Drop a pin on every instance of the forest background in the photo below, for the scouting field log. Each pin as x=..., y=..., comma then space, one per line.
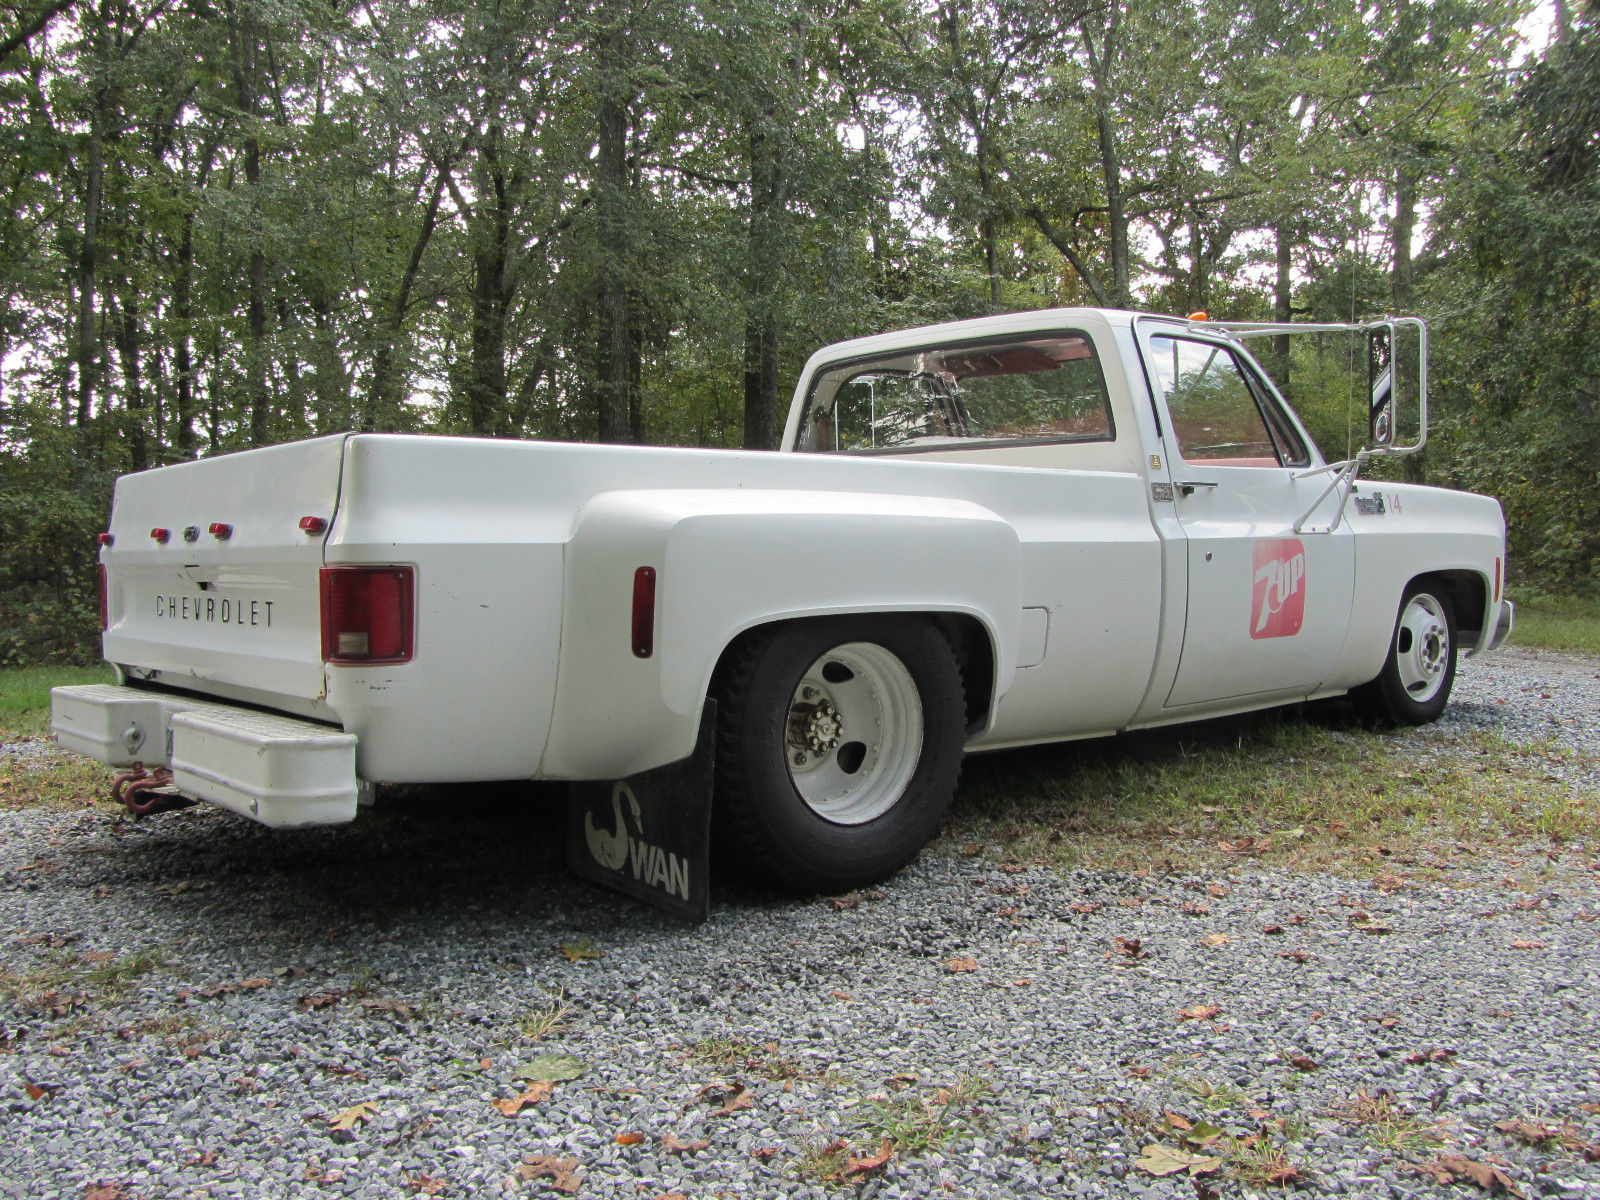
x=237, y=222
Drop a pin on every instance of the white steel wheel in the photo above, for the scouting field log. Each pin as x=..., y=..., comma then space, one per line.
x=839, y=744
x=1422, y=647
x=1414, y=685
x=854, y=734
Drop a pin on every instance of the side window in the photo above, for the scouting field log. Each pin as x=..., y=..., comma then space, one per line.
x=1046, y=388
x=1216, y=415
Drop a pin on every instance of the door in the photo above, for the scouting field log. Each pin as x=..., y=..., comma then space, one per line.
x=1268, y=603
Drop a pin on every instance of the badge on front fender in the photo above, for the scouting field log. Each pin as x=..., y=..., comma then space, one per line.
x=649, y=835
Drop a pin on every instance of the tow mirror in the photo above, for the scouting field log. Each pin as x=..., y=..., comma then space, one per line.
x=1380, y=386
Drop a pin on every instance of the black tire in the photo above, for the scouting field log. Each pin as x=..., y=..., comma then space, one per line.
x=838, y=839
x=1414, y=686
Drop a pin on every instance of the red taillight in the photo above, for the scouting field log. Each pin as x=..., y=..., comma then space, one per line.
x=103, y=539
x=367, y=614
x=313, y=524
x=221, y=530
x=105, y=601
x=161, y=535
x=644, y=612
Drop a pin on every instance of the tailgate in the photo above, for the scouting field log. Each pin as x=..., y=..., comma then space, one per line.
x=233, y=609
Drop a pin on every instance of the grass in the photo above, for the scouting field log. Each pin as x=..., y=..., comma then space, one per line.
x=549, y=1018
x=1388, y=1126
x=916, y=1123
x=56, y=985
x=25, y=694
x=1570, y=623
x=1293, y=787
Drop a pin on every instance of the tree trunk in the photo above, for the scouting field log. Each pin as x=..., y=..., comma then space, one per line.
x=1282, y=303
x=761, y=269
x=89, y=253
x=611, y=206
x=128, y=349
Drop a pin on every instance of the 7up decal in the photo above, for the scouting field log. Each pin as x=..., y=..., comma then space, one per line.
x=1278, y=595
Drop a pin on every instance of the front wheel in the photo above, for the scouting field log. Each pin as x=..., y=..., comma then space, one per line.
x=839, y=746
x=1414, y=685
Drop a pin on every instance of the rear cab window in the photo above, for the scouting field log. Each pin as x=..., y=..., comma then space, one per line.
x=1036, y=389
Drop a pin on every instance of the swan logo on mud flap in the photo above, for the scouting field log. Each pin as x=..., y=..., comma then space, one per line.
x=1278, y=596
x=619, y=850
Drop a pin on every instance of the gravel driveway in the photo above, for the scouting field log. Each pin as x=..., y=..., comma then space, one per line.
x=389, y=972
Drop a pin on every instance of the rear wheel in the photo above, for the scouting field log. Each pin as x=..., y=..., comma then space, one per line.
x=839, y=747
x=1414, y=685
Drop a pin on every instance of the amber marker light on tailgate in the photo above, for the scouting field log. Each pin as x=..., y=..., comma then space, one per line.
x=105, y=601
x=367, y=615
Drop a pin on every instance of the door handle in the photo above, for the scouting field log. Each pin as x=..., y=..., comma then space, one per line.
x=1188, y=486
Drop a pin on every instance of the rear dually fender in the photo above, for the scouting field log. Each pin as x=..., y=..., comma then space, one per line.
x=727, y=561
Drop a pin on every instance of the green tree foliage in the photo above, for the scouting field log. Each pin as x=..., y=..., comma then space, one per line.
x=234, y=222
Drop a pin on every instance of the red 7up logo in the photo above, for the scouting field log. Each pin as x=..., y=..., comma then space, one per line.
x=1278, y=597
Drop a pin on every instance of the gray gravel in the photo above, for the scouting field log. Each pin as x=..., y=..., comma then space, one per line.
x=392, y=961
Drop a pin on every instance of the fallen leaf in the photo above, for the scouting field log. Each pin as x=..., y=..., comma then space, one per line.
x=1214, y=939
x=1522, y=944
x=838, y=995
x=1217, y=891
x=1299, y=956
x=1449, y=1167
x=677, y=1146
x=870, y=1163
x=537, y=1091
x=1190, y=909
x=1368, y=923
x=1273, y=930
x=1427, y=1056
x=551, y=1068
x=427, y=1185
x=1139, y=1072
x=561, y=1172
x=206, y=1158
x=634, y=1138
x=1131, y=947
x=105, y=1191
x=382, y=1004
x=1178, y=1120
x=737, y=1099
x=1301, y=1062
x=1081, y=907
x=764, y=1152
x=1130, y=902
x=1165, y=1160
x=316, y=1000
x=957, y=965
x=37, y=1091
x=581, y=949
x=346, y=1120
x=1199, y=1012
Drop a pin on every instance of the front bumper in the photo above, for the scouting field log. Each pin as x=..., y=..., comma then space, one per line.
x=278, y=770
x=1502, y=627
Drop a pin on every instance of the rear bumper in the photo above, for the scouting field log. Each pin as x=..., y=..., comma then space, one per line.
x=276, y=770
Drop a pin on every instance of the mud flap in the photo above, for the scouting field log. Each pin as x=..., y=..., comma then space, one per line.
x=649, y=836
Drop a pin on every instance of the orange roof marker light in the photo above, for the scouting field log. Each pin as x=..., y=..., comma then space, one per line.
x=1202, y=315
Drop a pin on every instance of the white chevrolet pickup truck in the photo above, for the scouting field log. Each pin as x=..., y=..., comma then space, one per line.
x=984, y=534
